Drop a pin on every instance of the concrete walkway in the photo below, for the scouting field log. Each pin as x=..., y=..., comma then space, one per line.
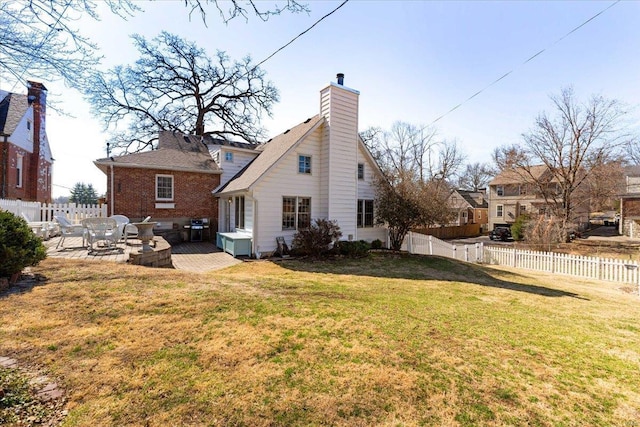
x=196, y=257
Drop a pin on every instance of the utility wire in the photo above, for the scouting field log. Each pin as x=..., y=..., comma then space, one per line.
x=531, y=58
x=299, y=35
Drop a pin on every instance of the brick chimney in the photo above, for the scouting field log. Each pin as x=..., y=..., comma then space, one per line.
x=37, y=97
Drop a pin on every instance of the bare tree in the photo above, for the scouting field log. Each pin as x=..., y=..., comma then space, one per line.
x=475, y=176
x=176, y=86
x=578, y=139
x=41, y=36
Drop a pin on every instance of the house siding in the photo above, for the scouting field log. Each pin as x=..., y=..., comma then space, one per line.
x=135, y=188
x=339, y=105
x=284, y=180
x=230, y=169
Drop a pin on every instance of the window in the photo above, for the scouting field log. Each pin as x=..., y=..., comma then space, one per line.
x=365, y=213
x=296, y=213
x=19, y=171
x=304, y=164
x=360, y=170
x=164, y=187
x=500, y=190
x=240, y=212
x=499, y=209
x=523, y=209
x=29, y=130
x=228, y=157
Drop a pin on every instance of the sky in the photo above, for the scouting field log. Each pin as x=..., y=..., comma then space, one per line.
x=411, y=61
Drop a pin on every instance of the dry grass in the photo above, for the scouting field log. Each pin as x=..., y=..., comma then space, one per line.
x=386, y=341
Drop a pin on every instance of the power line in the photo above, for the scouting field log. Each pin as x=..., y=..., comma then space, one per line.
x=531, y=58
x=299, y=35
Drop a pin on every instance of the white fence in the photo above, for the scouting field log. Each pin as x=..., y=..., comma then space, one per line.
x=611, y=270
x=422, y=244
x=36, y=211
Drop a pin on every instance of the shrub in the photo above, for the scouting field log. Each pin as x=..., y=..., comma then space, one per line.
x=318, y=239
x=376, y=244
x=518, y=227
x=359, y=249
x=19, y=247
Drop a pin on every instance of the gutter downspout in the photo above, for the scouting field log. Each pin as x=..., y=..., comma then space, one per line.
x=5, y=160
x=111, y=202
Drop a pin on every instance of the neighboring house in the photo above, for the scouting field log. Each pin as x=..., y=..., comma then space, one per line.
x=317, y=169
x=256, y=193
x=25, y=155
x=630, y=207
x=470, y=207
x=172, y=183
x=512, y=193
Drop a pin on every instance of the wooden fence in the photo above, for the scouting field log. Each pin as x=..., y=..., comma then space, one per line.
x=451, y=232
x=36, y=211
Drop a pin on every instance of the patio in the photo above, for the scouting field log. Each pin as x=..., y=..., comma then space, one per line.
x=196, y=257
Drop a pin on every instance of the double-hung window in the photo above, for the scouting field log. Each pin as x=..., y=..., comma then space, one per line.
x=365, y=213
x=499, y=209
x=296, y=213
x=499, y=190
x=228, y=156
x=164, y=187
x=239, y=202
x=304, y=164
x=360, y=170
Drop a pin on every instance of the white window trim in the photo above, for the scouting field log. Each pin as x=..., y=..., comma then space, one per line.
x=228, y=156
x=362, y=203
x=358, y=171
x=500, y=190
x=20, y=169
x=30, y=130
x=172, y=187
x=310, y=164
x=501, y=211
x=239, y=210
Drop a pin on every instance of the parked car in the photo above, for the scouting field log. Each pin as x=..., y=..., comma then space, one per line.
x=500, y=233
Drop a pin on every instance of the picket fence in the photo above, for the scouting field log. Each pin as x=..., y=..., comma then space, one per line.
x=36, y=211
x=611, y=270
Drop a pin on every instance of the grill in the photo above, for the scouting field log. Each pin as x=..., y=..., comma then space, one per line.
x=197, y=226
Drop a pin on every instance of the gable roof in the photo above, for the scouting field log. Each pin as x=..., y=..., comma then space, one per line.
x=175, y=152
x=270, y=153
x=468, y=196
x=12, y=108
x=519, y=175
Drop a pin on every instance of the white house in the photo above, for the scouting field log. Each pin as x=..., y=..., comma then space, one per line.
x=317, y=169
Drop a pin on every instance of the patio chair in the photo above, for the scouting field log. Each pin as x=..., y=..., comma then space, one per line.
x=67, y=229
x=101, y=231
x=122, y=224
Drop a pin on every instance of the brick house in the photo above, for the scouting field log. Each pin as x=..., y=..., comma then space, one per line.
x=25, y=155
x=172, y=184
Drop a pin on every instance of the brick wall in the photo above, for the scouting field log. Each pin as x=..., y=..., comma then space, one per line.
x=134, y=195
x=36, y=184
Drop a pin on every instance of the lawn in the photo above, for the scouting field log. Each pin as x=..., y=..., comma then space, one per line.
x=389, y=340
